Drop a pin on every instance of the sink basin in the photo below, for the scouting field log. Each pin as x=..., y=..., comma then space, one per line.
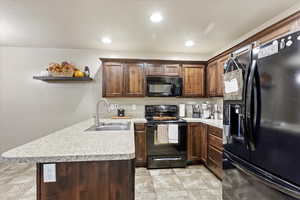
x=111, y=126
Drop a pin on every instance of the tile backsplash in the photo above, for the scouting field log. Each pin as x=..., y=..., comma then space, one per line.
x=135, y=107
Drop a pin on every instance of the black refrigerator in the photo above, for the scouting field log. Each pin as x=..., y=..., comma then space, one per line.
x=262, y=130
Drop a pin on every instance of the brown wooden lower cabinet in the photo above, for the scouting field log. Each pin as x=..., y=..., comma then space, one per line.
x=215, y=148
x=105, y=180
x=140, y=138
x=197, y=142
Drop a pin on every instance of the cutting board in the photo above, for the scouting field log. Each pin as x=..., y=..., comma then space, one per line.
x=125, y=117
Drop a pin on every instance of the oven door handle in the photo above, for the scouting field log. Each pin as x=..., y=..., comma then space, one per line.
x=166, y=159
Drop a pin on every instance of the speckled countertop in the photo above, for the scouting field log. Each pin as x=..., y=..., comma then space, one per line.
x=74, y=144
x=211, y=122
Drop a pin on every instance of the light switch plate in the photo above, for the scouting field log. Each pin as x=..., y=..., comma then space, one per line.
x=49, y=173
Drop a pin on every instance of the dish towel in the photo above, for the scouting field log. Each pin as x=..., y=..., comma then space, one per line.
x=173, y=133
x=162, y=134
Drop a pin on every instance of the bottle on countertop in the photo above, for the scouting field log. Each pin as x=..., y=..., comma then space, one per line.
x=87, y=71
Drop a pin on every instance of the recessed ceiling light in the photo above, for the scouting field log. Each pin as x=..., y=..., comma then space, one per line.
x=189, y=43
x=106, y=40
x=156, y=17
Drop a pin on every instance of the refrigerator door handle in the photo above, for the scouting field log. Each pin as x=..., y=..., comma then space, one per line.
x=248, y=116
x=268, y=182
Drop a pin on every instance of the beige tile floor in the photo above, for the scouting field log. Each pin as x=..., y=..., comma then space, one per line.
x=17, y=182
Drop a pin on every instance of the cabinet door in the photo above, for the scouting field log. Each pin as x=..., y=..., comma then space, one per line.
x=155, y=69
x=204, y=143
x=113, y=80
x=220, y=76
x=193, y=80
x=194, y=141
x=140, y=145
x=171, y=69
x=211, y=76
x=134, y=80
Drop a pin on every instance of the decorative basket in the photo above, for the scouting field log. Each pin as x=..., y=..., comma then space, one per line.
x=62, y=74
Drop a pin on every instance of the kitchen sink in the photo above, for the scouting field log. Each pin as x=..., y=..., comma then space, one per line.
x=111, y=126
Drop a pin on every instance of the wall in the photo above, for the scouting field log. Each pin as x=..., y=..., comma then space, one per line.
x=139, y=111
x=274, y=20
x=30, y=109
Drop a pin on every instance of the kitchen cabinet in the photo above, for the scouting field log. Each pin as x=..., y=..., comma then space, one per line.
x=215, y=149
x=215, y=77
x=123, y=80
x=220, y=75
x=204, y=143
x=163, y=69
x=140, y=145
x=211, y=77
x=193, y=80
x=92, y=180
x=134, y=80
x=113, y=79
x=172, y=69
x=154, y=69
x=197, y=142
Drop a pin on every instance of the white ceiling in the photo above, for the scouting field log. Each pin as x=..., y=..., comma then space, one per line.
x=212, y=24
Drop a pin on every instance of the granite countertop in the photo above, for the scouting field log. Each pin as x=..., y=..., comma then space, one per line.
x=74, y=144
x=211, y=122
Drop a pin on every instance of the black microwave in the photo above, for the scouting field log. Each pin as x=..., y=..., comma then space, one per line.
x=162, y=86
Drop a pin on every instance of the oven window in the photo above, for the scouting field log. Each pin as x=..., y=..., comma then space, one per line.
x=160, y=88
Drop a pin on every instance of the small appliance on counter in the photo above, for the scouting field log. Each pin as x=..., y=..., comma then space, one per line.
x=217, y=112
x=121, y=112
x=206, y=110
x=182, y=111
x=196, y=111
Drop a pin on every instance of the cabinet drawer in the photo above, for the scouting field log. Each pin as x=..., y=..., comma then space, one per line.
x=215, y=131
x=215, y=142
x=139, y=127
x=217, y=170
x=215, y=156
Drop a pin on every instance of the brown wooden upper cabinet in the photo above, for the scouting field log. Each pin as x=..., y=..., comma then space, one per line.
x=156, y=69
x=215, y=77
x=134, y=80
x=171, y=69
x=193, y=80
x=220, y=75
x=123, y=80
x=211, y=79
x=113, y=79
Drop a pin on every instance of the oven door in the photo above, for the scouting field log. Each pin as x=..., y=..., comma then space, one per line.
x=163, y=153
x=159, y=145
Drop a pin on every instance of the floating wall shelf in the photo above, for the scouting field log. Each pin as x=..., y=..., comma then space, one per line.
x=51, y=78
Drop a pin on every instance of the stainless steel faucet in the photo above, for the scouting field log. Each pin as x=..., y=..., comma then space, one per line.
x=97, y=117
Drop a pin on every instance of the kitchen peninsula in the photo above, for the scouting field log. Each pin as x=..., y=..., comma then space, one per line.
x=75, y=164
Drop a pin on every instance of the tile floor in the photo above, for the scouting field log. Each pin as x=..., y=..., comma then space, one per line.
x=17, y=182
